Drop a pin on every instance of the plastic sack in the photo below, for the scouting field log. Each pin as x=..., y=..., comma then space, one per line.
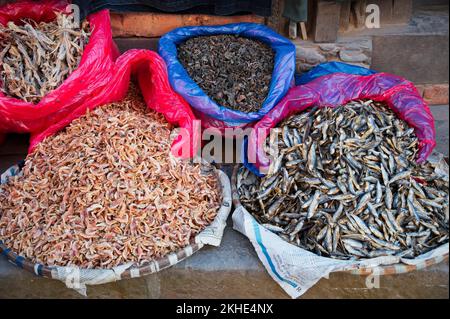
x=210, y=113
x=151, y=73
x=42, y=12
x=84, y=85
x=330, y=68
x=337, y=89
x=212, y=235
x=296, y=269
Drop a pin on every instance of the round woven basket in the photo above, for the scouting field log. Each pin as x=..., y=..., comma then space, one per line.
x=211, y=235
x=379, y=270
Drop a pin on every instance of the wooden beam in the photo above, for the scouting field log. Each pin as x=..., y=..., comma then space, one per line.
x=156, y=24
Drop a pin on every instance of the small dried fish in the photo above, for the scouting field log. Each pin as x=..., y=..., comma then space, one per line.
x=35, y=58
x=355, y=186
x=233, y=70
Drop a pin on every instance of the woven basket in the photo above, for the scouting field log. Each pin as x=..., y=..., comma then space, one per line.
x=379, y=270
x=211, y=235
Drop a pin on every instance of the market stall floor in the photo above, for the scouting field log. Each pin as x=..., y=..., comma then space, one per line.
x=230, y=271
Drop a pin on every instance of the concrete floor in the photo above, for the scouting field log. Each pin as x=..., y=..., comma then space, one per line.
x=230, y=271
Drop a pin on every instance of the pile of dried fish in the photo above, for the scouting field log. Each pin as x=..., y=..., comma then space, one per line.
x=35, y=58
x=345, y=185
x=105, y=191
x=234, y=71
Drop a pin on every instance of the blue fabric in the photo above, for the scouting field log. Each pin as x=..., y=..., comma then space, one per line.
x=282, y=78
x=329, y=68
x=6, y=251
x=19, y=261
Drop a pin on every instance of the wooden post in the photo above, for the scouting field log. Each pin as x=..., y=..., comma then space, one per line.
x=344, y=16
x=402, y=11
x=326, y=22
x=358, y=13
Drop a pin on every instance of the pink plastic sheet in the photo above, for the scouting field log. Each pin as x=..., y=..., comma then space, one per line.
x=337, y=89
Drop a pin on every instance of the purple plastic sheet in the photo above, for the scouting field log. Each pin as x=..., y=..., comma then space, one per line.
x=337, y=89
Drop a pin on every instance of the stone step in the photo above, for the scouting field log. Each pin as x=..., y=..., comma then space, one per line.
x=232, y=270
x=417, y=51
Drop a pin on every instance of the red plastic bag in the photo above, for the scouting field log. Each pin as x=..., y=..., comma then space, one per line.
x=86, y=83
x=337, y=89
x=44, y=11
x=151, y=74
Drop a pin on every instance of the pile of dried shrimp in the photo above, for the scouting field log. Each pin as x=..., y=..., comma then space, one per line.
x=105, y=192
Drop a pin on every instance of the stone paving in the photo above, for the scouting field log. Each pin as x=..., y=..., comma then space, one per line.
x=230, y=271
x=356, y=47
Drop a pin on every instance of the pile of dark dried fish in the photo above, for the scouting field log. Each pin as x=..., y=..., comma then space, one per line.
x=345, y=185
x=35, y=58
x=234, y=71
x=105, y=192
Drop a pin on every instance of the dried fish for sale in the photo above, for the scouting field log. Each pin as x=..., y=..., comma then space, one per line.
x=345, y=185
x=35, y=58
x=105, y=192
x=234, y=71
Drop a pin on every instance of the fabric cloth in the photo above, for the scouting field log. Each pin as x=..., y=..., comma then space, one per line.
x=216, y=7
x=296, y=10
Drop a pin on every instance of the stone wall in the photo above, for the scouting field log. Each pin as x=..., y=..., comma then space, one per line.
x=358, y=51
x=355, y=51
x=434, y=94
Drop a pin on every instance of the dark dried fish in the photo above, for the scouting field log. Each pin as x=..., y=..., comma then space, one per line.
x=234, y=71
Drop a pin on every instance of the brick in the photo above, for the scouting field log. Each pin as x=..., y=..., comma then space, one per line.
x=420, y=88
x=156, y=24
x=436, y=94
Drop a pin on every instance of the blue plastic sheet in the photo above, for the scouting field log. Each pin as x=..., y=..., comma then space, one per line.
x=330, y=68
x=212, y=114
